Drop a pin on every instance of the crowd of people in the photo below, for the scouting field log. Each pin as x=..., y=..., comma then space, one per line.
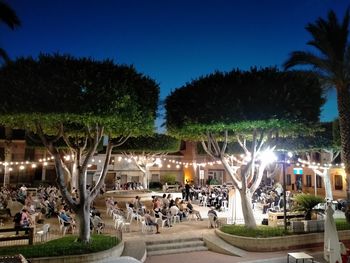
x=29, y=208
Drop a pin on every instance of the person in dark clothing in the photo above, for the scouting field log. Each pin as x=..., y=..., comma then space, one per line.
x=187, y=190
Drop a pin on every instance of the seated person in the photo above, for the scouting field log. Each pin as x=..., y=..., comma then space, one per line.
x=191, y=210
x=150, y=221
x=67, y=219
x=22, y=220
x=175, y=211
x=97, y=222
x=212, y=214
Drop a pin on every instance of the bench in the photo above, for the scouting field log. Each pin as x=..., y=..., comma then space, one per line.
x=13, y=259
x=171, y=188
x=300, y=256
x=29, y=236
x=277, y=218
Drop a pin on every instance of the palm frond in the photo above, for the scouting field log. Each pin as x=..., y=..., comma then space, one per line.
x=306, y=58
x=4, y=56
x=8, y=16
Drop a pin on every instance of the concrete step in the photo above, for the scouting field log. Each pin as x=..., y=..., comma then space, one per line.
x=171, y=240
x=176, y=251
x=135, y=249
x=175, y=245
x=216, y=244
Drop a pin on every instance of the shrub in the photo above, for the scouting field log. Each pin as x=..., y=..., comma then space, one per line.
x=168, y=178
x=342, y=224
x=62, y=246
x=306, y=203
x=260, y=231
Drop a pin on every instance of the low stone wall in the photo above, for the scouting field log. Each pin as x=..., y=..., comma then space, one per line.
x=279, y=243
x=93, y=257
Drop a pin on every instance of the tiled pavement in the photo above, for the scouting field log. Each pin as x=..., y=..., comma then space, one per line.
x=190, y=229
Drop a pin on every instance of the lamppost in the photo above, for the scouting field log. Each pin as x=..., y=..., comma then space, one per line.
x=283, y=161
x=284, y=191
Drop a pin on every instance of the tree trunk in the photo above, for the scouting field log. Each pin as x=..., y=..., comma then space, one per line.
x=247, y=210
x=83, y=216
x=8, y=154
x=145, y=181
x=343, y=99
x=328, y=185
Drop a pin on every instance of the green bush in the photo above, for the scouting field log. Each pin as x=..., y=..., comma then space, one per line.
x=342, y=224
x=259, y=232
x=168, y=178
x=62, y=246
x=306, y=203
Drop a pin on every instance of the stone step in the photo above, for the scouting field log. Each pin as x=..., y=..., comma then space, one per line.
x=176, y=251
x=175, y=245
x=172, y=240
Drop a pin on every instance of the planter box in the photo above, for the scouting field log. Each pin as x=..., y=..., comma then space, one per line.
x=93, y=257
x=279, y=243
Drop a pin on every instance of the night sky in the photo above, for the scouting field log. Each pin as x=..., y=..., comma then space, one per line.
x=172, y=41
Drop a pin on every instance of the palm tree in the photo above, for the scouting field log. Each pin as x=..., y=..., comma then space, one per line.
x=7, y=16
x=332, y=64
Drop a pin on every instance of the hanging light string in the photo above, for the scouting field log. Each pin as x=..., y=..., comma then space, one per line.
x=168, y=162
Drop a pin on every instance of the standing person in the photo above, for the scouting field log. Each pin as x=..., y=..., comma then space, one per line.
x=213, y=217
x=187, y=190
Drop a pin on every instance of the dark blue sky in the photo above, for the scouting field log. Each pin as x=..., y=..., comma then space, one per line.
x=173, y=41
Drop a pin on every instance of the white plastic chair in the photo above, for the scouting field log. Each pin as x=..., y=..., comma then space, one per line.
x=44, y=232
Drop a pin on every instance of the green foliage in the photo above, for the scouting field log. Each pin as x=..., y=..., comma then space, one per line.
x=212, y=182
x=153, y=143
x=244, y=100
x=168, y=178
x=63, y=246
x=259, y=232
x=282, y=128
x=77, y=92
x=306, y=203
x=342, y=224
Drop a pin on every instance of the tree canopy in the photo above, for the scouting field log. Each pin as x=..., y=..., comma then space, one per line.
x=78, y=92
x=78, y=100
x=152, y=144
x=243, y=100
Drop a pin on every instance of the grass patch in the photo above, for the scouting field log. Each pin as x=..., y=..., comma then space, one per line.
x=62, y=247
x=342, y=224
x=260, y=231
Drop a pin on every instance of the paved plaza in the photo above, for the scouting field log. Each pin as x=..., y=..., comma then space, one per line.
x=186, y=229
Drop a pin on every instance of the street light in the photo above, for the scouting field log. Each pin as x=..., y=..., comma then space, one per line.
x=283, y=162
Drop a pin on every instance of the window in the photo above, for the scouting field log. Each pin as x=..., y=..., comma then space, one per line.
x=111, y=160
x=338, y=182
x=29, y=154
x=2, y=154
x=319, y=181
x=216, y=175
x=155, y=178
x=288, y=179
x=308, y=180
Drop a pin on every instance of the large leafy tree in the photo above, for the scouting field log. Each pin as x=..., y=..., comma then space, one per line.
x=148, y=151
x=77, y=101
x=332, y=64
x=317, y=151
x=9, y=18
x=250, y=108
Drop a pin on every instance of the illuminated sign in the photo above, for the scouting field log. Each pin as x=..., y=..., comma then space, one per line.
x=298, y=170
